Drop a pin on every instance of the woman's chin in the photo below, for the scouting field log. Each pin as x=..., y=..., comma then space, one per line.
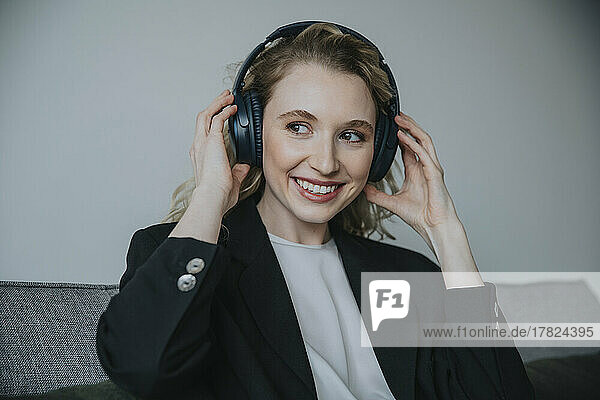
x=314, y=215
x=315, y=212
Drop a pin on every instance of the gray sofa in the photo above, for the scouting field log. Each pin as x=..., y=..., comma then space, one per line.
x=47, y=337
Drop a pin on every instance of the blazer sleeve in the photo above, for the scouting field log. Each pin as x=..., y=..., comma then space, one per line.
x=472, y=372
x=148, y=340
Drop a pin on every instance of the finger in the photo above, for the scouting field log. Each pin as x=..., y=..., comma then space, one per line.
x=380, y=198
x=216, y=108
x=430, y=169
x=212, y=107
x=218, y=121
x=239, y=172
x=418, y=133
x=203, y=120
x=408, y=157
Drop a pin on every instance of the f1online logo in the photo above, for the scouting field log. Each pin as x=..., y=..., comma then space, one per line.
x=388, y=299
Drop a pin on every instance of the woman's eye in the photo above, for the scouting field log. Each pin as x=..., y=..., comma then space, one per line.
x=353, y=137
x=348, y=136
x=294, y=126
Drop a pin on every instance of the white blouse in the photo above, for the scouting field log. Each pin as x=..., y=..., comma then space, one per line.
x=330, y=322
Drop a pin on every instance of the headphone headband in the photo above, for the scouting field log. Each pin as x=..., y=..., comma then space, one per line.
x=245, y=126
x=294, y=29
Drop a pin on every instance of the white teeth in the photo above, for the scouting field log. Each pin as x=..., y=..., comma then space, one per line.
x=316, y=189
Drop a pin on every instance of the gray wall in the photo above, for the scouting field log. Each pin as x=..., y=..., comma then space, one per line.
x=98, y=103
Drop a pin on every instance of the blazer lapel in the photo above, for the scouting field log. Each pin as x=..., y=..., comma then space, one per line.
x=397, y=363
x=265, y=291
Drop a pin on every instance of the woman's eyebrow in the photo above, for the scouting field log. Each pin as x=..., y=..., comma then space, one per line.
x=355, y=123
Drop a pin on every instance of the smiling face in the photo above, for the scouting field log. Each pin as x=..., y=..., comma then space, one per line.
x=318, y=133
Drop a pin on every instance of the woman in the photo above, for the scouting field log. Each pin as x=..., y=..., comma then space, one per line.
x=252, y=290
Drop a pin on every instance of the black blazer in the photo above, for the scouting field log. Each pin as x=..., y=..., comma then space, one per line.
x=235, y=334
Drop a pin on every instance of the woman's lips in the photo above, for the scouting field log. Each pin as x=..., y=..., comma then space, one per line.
x=317, y=198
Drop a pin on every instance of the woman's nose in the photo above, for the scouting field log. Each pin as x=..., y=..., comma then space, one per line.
x=323, y=159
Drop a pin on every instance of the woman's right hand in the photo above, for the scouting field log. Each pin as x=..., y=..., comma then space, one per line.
x=215, y=180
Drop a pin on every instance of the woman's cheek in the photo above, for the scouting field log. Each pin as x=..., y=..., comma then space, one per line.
x=358, y=165
x=289, y=155
x=278, y=164
x=271, y=159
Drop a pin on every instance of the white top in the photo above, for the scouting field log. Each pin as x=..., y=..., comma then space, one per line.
x=330, y=322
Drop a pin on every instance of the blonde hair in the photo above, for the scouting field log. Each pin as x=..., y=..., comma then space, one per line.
x=323, y=44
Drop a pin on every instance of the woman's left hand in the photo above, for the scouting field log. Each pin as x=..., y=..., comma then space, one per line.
x=423, y=201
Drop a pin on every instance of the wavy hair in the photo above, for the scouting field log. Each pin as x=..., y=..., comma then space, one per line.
x=323, y=44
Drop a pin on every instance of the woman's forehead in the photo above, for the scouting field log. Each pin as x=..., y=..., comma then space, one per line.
x=322, y=93
x=316, y=80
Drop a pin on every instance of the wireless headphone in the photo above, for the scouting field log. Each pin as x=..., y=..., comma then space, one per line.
x=245, y=126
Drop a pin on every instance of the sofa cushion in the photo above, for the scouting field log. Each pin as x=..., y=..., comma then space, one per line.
x=549, y=301
x=48, y=335
x=105, y=390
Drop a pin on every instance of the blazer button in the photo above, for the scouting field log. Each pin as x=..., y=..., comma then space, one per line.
x=195, y=265
x=186, y=282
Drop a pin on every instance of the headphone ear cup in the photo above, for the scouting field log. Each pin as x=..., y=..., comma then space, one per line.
x=255, y=112
x=380, y=134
